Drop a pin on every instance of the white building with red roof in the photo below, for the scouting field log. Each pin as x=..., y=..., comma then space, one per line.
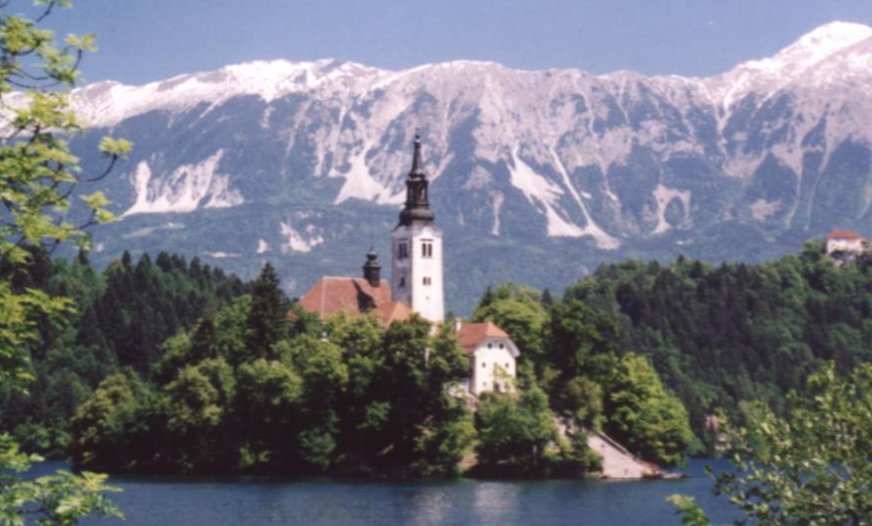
x=492, y=357
x=844, y=243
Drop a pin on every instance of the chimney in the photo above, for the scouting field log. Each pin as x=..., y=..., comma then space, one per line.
x=372, y=269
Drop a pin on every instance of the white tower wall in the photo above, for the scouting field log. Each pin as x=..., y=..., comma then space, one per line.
x=416, y=270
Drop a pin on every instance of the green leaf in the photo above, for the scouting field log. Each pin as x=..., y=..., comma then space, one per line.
x=115, y=147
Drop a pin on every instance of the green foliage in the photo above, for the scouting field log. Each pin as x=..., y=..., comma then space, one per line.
x=575, y=349
x=121, y=317
x=515, y=432
x=357, y=399
x=267, y=319
x=582, y=355
x=809, y=466
x=689, y=511
x=519, y=312
x=198, y=397
x=812, y=465
x=643, y=416
x=718, y=335
x=18, y=314
x=103, y=422
x=442, y=443
x=267, y=408
x=37, y=175
x=53, y=500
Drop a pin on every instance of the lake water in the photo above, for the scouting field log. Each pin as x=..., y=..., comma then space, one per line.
x=256, y=502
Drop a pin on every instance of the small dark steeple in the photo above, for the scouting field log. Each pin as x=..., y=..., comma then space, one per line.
x=372, y=269
x=417, y=208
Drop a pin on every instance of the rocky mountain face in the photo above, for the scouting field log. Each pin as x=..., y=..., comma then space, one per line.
x=538, y=176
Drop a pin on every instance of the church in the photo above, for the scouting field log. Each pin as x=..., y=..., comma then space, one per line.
x=416, y=285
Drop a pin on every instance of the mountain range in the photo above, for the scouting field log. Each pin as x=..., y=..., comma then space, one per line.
x=537, y=176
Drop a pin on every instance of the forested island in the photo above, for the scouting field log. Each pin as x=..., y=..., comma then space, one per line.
x=165, y=365
x=172, y=366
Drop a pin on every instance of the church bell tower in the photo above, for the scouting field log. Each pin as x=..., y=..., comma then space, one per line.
x=416, y=249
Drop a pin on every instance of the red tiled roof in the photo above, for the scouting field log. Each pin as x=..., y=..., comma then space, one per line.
x=471, y=335
x=849, y=235
x=392, y=311
x=333, y=295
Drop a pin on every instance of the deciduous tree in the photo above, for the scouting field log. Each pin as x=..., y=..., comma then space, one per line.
x=809, y=467
x=37, y=175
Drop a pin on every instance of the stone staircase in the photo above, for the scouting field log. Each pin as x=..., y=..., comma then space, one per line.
x=618, y=463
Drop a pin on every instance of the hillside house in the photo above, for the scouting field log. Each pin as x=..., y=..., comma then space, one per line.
x=845, y=245
x=492, y=357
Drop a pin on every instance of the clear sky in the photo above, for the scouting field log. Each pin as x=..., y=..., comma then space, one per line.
x=146, y=40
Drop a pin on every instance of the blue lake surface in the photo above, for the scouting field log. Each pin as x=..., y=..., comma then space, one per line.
x=210, y=502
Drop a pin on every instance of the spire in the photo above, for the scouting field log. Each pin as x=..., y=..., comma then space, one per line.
x=417, y=208
x=372, y=269
x=417, y=170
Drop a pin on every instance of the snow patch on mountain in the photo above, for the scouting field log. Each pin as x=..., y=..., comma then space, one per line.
x=498, y=200
x=795, y=63
x=542, y=193
x=302, y=240
x=603, y=239
x=360, y=184
x=762, y=209
x=105, y=104
x=222, y=255
x=814, y=47
x=183, y=189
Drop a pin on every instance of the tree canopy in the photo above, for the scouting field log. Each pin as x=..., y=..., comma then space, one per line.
x=809, y=466
x=37, y=174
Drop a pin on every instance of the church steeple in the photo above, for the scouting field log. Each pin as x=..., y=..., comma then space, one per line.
x=416, y=253
x=417, y=208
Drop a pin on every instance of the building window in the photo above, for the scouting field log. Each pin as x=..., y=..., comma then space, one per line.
x=501, y=346
x=402, y=284
x=427, y=249
x=402, y=250
x=483, y=365
x=427, y=281
x=490, y=346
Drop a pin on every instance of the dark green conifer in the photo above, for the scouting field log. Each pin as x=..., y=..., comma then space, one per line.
x=268, y=318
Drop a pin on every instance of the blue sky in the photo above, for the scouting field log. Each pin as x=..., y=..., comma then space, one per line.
x=145, y=40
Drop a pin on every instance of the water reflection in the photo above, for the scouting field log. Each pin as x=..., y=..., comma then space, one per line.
x=428, y=506
x=496, y=503
x=169, y=502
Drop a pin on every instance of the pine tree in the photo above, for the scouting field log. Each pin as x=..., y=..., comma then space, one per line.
x=268, y=317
